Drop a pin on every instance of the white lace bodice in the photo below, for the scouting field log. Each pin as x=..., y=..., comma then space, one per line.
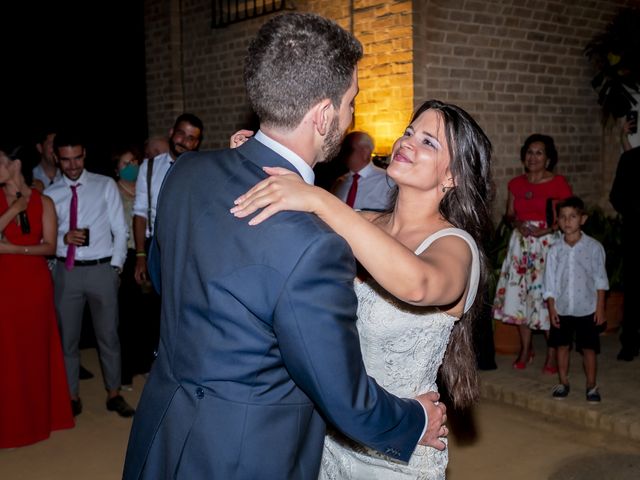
x=402, y=347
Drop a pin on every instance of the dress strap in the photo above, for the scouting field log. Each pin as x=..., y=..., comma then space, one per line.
x=474, y=278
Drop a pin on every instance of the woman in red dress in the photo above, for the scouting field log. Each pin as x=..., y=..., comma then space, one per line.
x=519, y=294
x=35, y=397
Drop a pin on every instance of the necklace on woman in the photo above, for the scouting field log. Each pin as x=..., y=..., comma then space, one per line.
x=534, y=180
x=131, y=193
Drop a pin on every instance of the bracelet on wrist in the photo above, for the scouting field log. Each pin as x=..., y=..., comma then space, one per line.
x=141, y=254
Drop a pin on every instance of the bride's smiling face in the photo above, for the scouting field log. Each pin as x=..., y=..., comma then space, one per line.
x=420, y=158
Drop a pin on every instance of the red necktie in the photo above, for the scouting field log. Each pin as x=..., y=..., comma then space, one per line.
x=73, y=224
x=351, y=196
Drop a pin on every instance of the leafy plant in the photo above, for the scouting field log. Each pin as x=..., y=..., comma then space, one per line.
x=608, y=231
x=496, y=250
x=604, y=228
x=615, y=54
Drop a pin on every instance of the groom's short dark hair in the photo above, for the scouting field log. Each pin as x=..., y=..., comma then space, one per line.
x=295, y=61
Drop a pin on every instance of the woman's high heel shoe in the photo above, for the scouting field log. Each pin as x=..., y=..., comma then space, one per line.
x=522, y=365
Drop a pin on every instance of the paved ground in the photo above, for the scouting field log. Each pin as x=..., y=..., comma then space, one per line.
x=504, y=442
x=520, y=440
x=619, y=411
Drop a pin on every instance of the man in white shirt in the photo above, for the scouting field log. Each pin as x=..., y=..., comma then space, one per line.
x=365, y=186
x=91, y=249
x=46, y=171
x=185, y=136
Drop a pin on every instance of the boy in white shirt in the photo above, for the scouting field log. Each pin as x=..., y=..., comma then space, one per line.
x=575, y=281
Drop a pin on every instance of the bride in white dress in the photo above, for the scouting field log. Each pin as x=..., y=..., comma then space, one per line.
x=415, y=314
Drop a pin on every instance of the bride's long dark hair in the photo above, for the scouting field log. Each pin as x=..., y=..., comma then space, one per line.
x=466, y=206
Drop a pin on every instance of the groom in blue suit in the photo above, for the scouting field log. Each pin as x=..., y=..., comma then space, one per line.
x=258, y=343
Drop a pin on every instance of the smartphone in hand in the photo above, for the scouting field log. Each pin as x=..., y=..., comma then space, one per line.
x=632, y=116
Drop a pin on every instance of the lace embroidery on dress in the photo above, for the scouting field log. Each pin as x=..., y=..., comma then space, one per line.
x=402, y=347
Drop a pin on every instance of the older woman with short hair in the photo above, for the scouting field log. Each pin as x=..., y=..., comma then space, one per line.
x=529, y=211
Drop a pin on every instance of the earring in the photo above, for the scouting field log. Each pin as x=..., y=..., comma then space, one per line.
x=444, y=189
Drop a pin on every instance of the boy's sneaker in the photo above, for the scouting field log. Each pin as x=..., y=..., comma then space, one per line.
x=560, y=391
x=593, y=396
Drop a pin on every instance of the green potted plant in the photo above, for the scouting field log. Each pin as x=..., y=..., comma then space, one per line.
x=506, y=339
x=615, y=55
x=607, y=230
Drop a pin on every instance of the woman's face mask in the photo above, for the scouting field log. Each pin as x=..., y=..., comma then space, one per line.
x=129, y=173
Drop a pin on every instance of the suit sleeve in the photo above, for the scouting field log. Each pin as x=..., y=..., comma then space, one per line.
x=153, y=265
x=314, y=321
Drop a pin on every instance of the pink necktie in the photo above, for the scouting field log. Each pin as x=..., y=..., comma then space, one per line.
x=351, y=196
x=73, y=224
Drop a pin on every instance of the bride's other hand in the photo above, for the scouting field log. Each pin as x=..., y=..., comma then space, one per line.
x=283, y=190
x=239, y=138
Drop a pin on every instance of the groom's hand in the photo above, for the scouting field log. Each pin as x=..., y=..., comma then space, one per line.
x=437, y=417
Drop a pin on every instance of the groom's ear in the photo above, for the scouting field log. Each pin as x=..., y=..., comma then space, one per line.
x=322, y=114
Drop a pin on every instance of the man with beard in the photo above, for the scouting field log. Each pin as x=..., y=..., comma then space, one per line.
x=258, y=345
x=185, y=136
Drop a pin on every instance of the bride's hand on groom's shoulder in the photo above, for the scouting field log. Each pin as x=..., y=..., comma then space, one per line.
x=282, y=190
x=437, y=417
x=239, y=138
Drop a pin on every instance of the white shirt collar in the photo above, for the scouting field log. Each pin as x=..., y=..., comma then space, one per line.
x=365, y=171
x=294, y=159
x=81, y=179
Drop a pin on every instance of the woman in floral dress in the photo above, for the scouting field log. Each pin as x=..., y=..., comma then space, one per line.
x=530, y=208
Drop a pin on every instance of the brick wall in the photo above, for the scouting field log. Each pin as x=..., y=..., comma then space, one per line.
x=162, y=52
x=204, y=76
x=517, y=66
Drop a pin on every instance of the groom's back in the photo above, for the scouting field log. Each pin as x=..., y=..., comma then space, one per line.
x=222, y=278
x=227, y=290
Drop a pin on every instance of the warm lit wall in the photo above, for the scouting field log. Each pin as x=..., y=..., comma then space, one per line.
x=385, y=102
x=516, y=66
x=203, y=74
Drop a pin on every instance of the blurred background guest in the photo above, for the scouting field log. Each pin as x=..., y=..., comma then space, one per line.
x=530, y=207
x=155, y=146
x=91, y=250
x=629, y=135
x=46, y=171
x=624, y=198
x=365, y=186
x=185, y=136
x=35, y=397
x=132, y=316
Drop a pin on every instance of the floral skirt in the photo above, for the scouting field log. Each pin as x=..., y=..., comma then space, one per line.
x=520, y=286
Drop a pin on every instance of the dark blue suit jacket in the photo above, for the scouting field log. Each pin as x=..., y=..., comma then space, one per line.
x=258, y=341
